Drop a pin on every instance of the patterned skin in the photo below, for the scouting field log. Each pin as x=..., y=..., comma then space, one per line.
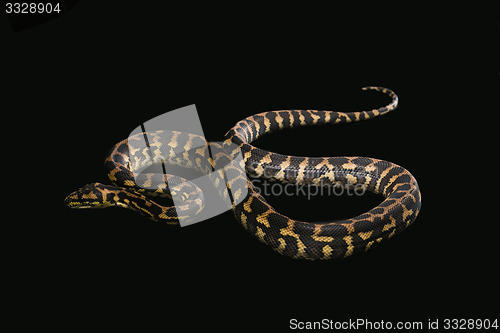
x=293, y=238
x=335, y=239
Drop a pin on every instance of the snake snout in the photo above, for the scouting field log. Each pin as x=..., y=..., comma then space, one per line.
x=86, y=197
x=67, y=200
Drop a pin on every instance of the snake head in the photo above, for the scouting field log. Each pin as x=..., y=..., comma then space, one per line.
x=95, y=195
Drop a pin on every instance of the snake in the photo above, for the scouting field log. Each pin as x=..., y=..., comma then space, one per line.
x=134, y=189
x=287, y=236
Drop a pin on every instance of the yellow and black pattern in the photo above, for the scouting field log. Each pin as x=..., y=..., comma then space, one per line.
x=297, y=239
x=134, y=189
x=335, y=239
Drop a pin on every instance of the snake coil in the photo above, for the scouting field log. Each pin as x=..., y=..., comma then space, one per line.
x=293, y=238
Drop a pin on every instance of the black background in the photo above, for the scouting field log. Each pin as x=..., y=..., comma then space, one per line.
x=84, y=80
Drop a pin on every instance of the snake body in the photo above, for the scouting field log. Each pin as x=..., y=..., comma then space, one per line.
x=134, y=189
x=293, y=238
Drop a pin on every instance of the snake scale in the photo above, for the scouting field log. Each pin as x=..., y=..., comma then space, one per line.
x=293, y=238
